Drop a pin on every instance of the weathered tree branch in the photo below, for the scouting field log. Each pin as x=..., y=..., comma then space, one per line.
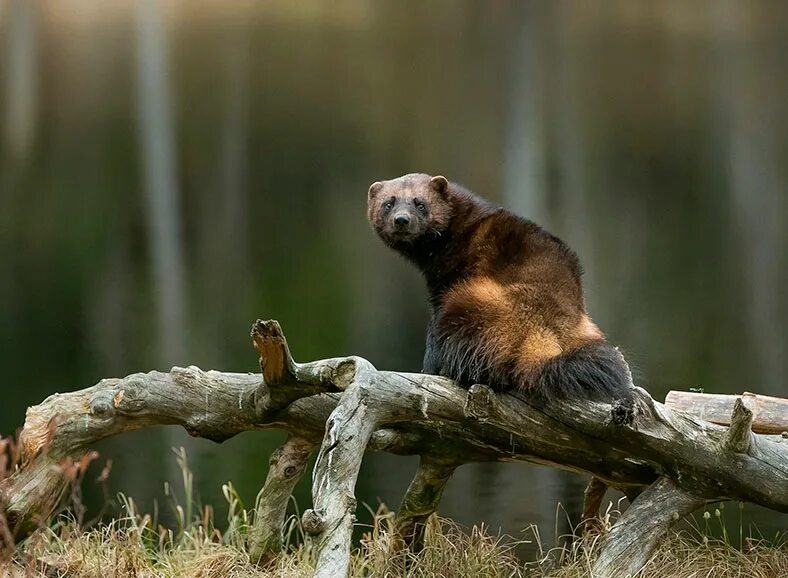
x=287, y=465
x=348, y=431
x=355, y=408
x=421, y=500
x=633, y=538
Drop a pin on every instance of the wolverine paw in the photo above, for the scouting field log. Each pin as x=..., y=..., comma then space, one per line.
x=622, y=412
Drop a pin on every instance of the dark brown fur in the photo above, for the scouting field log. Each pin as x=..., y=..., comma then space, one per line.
x=506, y=296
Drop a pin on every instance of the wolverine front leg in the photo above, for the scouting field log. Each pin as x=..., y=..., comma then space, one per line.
x=433, y=359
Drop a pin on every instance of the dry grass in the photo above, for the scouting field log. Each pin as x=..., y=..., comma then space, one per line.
x=687, y=555
x=135, y=545
x=130, y=547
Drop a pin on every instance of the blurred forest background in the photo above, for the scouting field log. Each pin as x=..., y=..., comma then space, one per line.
x=172, y=170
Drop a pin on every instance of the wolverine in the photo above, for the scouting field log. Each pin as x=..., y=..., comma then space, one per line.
x=506, y=298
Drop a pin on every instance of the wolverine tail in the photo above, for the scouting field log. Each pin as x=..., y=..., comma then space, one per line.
x=593, y=371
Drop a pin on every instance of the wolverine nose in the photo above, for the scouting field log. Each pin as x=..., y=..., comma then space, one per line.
x=401, y=220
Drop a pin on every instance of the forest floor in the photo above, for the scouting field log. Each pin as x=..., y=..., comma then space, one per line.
x=135, y=545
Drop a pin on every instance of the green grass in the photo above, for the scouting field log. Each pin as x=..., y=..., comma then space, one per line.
x=136, y=545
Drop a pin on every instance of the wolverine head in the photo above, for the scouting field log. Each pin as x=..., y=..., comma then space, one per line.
x=409, y=208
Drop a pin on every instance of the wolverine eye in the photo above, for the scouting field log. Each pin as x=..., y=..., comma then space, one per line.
x=388, y=205
x=420, y=205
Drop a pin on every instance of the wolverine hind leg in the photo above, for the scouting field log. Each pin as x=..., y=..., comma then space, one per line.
x=487, y=334
x=480, y=333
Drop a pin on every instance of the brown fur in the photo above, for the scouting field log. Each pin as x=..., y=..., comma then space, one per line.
x=506, y=295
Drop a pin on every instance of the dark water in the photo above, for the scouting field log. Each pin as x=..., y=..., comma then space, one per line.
x=169, y=173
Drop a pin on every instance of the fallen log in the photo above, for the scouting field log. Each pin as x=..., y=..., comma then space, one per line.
x=770, y=414
x=680, y=460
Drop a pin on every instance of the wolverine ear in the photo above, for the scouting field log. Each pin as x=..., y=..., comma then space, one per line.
x=440, y=185
x=374, y=188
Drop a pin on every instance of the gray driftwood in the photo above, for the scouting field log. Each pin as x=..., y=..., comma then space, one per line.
x=770, y=414
x=347, y=407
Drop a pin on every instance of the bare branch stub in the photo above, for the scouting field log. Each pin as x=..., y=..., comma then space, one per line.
x=313, y=522
x=739, y=433
x=276, y=362
x=285, y=381
x=481, y=403
x=592, y=500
